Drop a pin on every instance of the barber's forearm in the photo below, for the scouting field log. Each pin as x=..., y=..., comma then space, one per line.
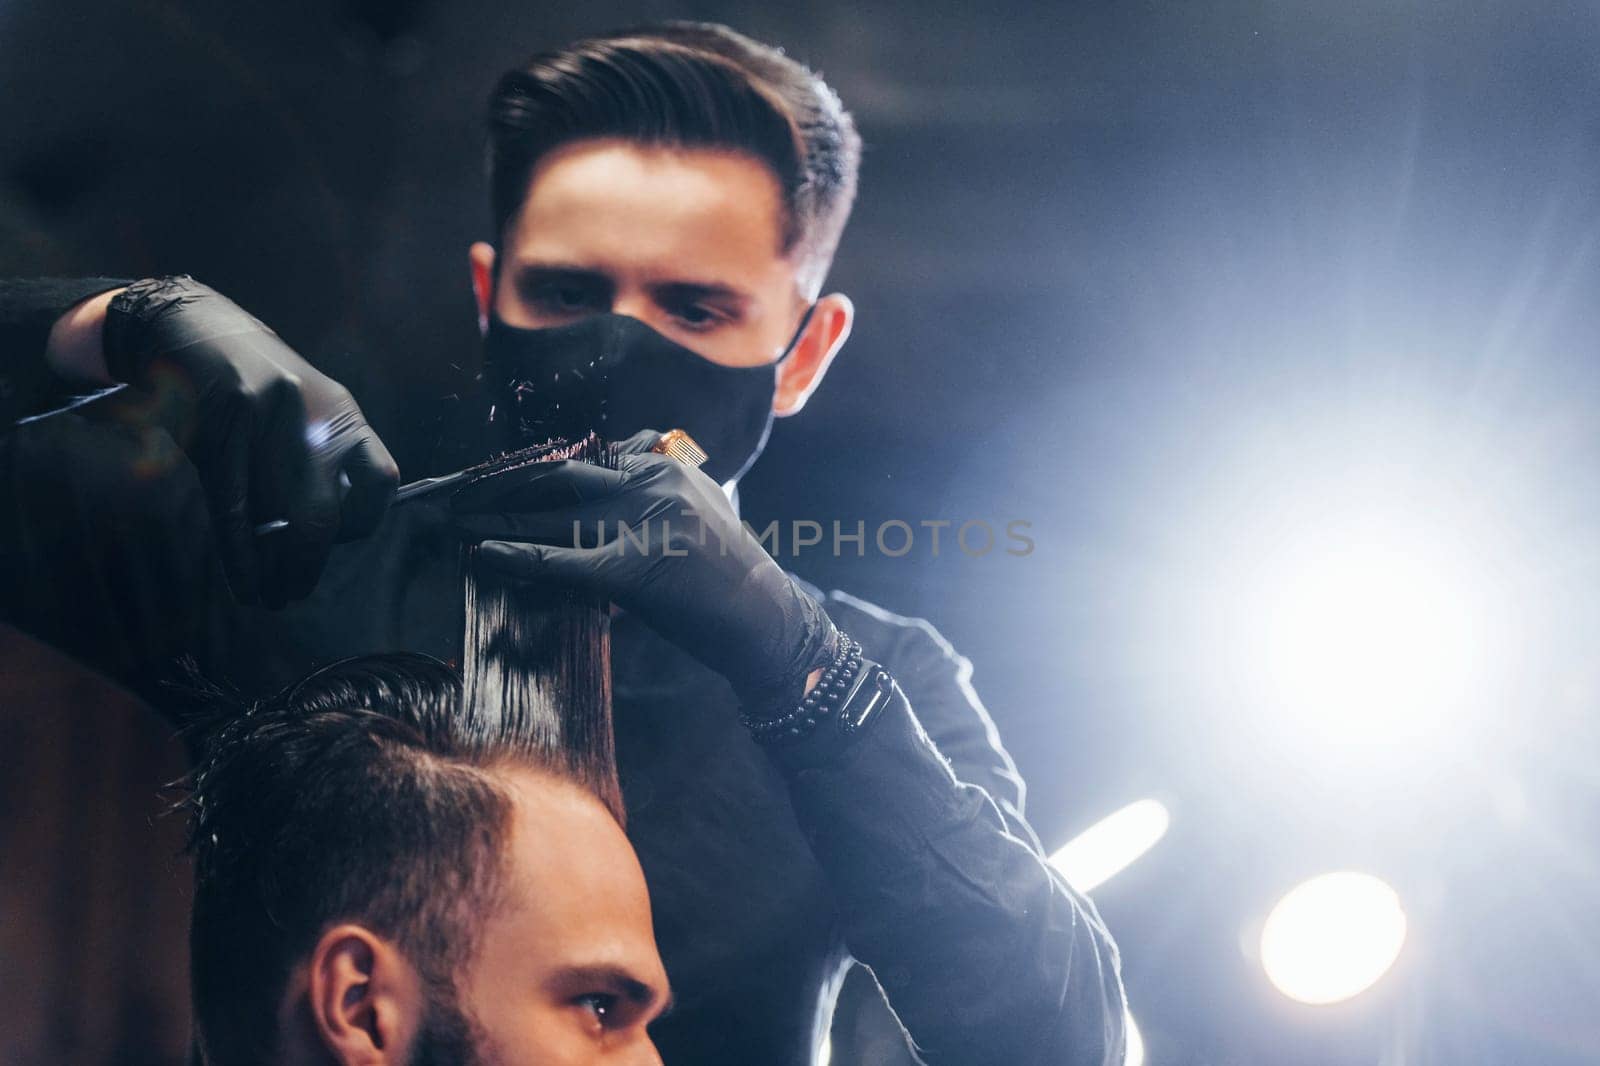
x=985, y=954
x=75, y=349
x=50, y=343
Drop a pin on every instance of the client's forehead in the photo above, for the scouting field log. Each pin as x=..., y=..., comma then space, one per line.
x=562, y=837
x=572, y=895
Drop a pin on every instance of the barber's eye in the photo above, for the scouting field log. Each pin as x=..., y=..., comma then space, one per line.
x=698, y=317
x=565, y=298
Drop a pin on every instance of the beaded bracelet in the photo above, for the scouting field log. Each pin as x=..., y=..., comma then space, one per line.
x=825, y=697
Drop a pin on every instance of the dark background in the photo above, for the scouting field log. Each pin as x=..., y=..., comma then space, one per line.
x=1112, y=261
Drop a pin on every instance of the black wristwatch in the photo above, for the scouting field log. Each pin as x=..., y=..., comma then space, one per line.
x=846, y=700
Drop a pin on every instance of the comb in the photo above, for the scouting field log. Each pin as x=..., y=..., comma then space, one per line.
x=676, y=444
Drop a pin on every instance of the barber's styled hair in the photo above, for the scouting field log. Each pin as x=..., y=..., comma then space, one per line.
x=367, y=792
x=686, y=85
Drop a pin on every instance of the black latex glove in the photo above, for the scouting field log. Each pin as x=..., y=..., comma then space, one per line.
x=701, y=579
x=272, y=438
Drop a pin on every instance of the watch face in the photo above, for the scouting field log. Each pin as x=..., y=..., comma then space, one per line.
x=868, y=699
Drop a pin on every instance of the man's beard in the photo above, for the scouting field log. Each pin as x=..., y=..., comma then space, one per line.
x=448, y=1036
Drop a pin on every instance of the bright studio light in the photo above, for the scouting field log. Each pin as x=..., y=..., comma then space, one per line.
x=1100, y=852
x=1350, y=586
x=1332, y=937
x=1369, y=632
x=1362, y=618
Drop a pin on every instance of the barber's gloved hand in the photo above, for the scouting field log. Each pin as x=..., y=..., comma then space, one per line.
x=273, y=439
x=684, y=563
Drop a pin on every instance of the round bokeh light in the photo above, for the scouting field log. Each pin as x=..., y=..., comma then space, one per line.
x=1332, y=937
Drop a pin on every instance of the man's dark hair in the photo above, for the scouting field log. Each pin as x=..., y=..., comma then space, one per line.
x=685, y=85
x=357, y=795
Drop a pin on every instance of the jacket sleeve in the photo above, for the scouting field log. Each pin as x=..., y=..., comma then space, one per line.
x=985, y=953
x=105, y=545
x=28, y=310
x=88, y=562
x=938, y=681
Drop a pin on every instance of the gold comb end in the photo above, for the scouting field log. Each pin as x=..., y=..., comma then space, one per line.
x=678, y=445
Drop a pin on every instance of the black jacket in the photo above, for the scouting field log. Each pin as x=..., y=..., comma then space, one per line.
x=908, y=853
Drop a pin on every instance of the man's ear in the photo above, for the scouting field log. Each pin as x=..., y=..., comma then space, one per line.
x=482, y=258
x=813, y=353
x=366, y=1000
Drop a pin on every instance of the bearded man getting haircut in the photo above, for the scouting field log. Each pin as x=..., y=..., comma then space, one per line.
x=378, y=881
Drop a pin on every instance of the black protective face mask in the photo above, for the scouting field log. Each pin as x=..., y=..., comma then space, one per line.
x=615, y=375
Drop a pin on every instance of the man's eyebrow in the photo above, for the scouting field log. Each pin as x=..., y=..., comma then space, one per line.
x=690, y=291
x=619, y=981
x=558, y=270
